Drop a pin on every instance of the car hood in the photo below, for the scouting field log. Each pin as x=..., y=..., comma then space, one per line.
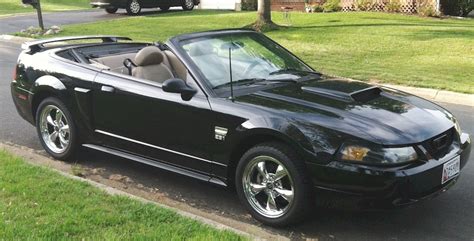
x=377, y=114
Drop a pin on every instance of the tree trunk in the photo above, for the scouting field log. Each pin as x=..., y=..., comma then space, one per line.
x=264, y=11
x=264, y=17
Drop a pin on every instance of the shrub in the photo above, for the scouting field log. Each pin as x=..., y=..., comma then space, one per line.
x=426, y=8
x=394, y=6
x=465, y=7
x=318, y=9
x=426, y=11
x=332, y=6
x=249, y=5
x=457, y=7
x=364, y=5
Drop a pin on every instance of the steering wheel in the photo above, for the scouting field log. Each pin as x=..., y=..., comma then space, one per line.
x=252, y=66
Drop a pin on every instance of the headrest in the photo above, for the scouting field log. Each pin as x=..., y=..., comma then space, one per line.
x=150, y=55
x=198, y=50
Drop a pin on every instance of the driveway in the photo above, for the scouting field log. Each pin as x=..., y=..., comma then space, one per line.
x=448, y=217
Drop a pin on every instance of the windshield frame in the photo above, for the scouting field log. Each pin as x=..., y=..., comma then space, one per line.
x=177, y=41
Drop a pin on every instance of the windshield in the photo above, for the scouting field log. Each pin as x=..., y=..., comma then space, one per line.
x=253, y=58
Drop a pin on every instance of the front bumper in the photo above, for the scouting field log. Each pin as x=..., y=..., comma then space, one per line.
x=367, y=187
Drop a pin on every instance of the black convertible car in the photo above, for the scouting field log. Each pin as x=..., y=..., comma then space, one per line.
x=234, y=108
x=134, y=7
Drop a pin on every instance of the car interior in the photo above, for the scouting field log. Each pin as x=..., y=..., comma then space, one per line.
x=142, y=61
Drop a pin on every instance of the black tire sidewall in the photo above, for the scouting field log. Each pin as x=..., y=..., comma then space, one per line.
x=185, y=8
x=302, y=188
x=73, y=140
x=111, y=10
x=129, y=10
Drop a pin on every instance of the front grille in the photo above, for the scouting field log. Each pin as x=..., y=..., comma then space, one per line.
x=439, y=145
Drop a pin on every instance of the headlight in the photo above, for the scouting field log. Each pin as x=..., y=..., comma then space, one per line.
x=377, y=155
x=457, y=126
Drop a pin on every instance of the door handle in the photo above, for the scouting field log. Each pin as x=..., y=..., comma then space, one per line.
x=107, y=89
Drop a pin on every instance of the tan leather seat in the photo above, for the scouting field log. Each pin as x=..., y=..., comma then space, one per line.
x=174, y=63
x=115, y=62
x=150, y=65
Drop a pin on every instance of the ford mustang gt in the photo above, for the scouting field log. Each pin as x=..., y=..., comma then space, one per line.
x=234, y=108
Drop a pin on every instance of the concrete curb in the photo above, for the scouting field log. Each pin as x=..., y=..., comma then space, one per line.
x=32, y=157
x=427, y=93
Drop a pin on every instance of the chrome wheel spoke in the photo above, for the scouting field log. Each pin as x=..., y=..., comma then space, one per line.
x=271, y=204
x=286, y=194
x=280, y=173
x=256, y=188
x=53, y=136
x=262, y=169
x=50, y=120
x=59, y=116
x=65, y=128
x=63, y=142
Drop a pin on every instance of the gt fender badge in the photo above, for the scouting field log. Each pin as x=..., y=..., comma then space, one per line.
x=220, y=133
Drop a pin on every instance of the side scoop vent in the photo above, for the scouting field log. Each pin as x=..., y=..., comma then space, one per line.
x=363, y=95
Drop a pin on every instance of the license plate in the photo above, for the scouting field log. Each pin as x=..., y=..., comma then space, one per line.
x=451, y=169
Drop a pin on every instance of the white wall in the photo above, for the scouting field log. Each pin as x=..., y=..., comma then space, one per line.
x=220, y=4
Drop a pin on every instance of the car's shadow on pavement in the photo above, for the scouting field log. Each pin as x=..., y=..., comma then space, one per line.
x=323, y=223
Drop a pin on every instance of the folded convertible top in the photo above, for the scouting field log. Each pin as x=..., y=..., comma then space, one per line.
x=38, y=45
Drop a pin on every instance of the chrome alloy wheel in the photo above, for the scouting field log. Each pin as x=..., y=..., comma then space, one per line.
x=268, y=186
x=135, y=6
x=54, y=129
x=189, y=4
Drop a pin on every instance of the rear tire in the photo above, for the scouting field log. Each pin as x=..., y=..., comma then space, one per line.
x=56, y=129
x=188, y=5
x=111, y=10
x=133, y=7
x=277, y=192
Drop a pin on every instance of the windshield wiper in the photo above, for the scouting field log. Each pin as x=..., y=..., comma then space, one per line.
x=239, y=82
x=287, y=70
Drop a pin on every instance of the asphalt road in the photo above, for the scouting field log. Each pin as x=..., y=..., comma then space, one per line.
x=17, y=23
x=448, y=217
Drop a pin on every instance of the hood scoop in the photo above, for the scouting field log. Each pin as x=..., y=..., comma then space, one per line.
x=363, y=95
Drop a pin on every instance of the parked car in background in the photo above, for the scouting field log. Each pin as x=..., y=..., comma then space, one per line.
x=134, y=7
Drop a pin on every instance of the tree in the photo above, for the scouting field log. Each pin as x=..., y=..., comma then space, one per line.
x=264, y=17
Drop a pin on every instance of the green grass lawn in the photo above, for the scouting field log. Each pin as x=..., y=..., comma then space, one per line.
x=15, y=6
x=390, y=48
x=39, y=204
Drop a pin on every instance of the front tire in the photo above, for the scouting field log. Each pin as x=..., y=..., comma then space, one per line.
x=273, y=184
x=56, y=129
x=111, y=10
x=188, y=5
x=133, y=7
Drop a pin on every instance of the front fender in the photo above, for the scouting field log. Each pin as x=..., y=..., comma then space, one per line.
x=276, y=127
x=314, y=143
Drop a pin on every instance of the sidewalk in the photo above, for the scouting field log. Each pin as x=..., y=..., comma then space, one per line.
x=437, y=95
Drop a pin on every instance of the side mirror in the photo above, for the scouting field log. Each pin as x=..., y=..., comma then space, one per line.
x=180, y=87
